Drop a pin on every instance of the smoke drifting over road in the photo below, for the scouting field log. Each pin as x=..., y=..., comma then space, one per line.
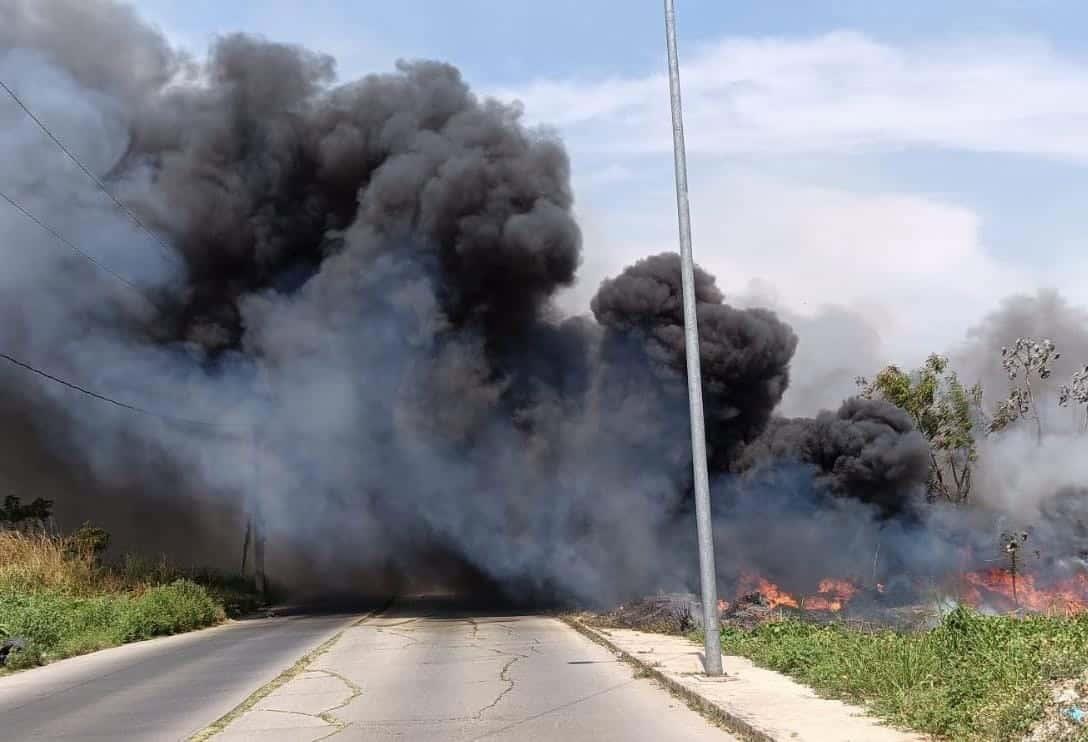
x=363, y=273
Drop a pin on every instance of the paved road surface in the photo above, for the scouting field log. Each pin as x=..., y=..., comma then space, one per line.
x=160, y=690
x=425, y=670
x=436, y=671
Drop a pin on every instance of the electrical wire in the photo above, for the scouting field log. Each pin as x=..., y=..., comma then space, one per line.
x=101, y=186
x=74, y=248
x=110, y=400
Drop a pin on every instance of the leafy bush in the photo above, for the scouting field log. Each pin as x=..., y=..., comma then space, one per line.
x=169, y=609
x=89, y=542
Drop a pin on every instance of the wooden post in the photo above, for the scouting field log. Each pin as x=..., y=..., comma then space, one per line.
x=256, y=519
x=245, y=541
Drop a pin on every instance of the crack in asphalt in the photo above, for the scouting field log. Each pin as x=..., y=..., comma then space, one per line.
x=504, y=675
x=548, y=712
x=326, y=715
x=475, y=629
x=412, y=641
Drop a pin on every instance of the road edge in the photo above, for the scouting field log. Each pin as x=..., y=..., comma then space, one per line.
x=296, y=669
x=700, y=704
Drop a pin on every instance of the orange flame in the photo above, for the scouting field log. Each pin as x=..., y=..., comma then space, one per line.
x=1068, y=596
x=993, y=588
x=770, y=591
x=831, y=594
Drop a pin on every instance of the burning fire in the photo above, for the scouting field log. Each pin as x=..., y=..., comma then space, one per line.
x=831, y=594
x=1067, y=596
x=994, y=588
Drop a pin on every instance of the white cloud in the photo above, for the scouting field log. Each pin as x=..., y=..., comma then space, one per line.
x=839, y=92
x=914, y=266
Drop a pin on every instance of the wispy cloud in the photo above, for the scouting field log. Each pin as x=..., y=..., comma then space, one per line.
x=839, y=92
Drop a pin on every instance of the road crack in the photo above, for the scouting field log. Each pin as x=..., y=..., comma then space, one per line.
x=504, y=675
x=299, y=667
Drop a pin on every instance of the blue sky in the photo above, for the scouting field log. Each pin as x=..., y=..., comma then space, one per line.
x=506, y=40
x=911, y=163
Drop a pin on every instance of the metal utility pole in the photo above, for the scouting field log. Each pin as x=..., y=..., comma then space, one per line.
x=707, y=572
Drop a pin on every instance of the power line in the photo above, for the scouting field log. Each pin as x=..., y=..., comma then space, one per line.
x=101, y=186
x=74, y=248
x=110, y=400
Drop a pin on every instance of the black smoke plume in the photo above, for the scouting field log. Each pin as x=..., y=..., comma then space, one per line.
x=744, y=353
x=357, y=293
x=868, y=451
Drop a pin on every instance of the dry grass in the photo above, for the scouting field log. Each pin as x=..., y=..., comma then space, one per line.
x=32, y=562
x=56, y=593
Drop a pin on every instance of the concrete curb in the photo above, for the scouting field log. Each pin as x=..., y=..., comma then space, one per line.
x=715, y=713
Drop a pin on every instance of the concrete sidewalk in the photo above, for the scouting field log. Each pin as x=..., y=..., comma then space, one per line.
x=754, y=703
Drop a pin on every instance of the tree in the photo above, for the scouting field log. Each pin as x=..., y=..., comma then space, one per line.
x=1076, y=392
x=1025, y=359
x=942, y=409
x=16, y=515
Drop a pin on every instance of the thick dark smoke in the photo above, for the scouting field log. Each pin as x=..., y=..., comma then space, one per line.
x=361, y=274
x=357, y=291
x=266, y=172
x=744, y=353
x=868, y=451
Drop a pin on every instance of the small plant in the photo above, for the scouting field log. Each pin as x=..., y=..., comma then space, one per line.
x=1011, y=543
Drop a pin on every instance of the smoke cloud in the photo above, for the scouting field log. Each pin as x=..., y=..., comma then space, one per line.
x=356, y=289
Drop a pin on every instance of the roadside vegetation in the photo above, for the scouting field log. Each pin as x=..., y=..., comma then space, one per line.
x=59, y=597
x=973, y=677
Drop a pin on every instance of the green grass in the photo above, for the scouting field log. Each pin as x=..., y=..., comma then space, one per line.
x=972, y=678
x=64, y=602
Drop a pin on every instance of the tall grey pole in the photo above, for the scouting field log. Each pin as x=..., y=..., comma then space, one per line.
x=707, y=572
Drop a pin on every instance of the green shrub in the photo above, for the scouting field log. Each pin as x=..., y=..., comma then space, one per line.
x=180, y=606
x=89, y=542
x=59, y=625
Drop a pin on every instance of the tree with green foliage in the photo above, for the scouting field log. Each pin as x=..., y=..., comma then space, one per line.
x=942, y=409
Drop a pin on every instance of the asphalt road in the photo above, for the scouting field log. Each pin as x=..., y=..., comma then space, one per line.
x=166, y=689
x=438, y=670
x=425, y=669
